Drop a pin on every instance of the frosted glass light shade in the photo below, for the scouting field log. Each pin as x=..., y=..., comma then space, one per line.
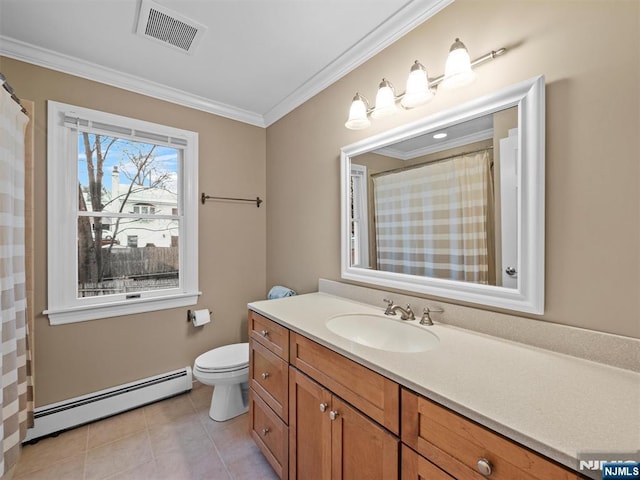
x=417, y=92
x=457, y=70
x=385, y=100
x=358, y=114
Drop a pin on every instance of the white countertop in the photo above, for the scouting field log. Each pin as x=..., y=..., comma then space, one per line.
x=555, y=404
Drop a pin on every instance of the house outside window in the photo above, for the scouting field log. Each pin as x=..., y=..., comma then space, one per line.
x=137, y=187
x=132, y=241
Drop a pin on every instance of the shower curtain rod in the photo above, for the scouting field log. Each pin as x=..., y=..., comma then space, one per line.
x=418, y=165
x=8, y=88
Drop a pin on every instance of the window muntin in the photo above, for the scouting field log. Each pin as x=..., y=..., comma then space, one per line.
x=144, y=165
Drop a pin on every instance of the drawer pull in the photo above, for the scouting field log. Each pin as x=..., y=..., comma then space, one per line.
x=265, y=333
x=484, y=467
x=323, y=407
x=333, y=414
x=265, y=431
x=265, y=375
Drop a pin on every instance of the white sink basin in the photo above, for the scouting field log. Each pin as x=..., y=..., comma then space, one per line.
x=383, y=333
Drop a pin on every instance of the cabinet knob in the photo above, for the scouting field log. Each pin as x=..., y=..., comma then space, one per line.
x=265, y=375
x=484, y=467
x=265, y=431
x=333, y=414
x=265, y=333
x=323, y=407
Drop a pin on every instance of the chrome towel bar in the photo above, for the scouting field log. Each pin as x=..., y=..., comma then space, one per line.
x=204, y=197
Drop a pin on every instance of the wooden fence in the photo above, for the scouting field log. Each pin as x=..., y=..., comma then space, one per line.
x=134, y=270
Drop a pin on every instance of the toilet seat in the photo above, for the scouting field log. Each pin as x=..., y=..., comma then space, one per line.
x=229, y=358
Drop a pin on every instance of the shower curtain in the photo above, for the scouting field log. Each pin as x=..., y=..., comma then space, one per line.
x=16, y=400
x=436, y=220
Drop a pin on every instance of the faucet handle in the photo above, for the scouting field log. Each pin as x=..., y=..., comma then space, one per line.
x=426, y=315
x=426, y=318
x=389, y=310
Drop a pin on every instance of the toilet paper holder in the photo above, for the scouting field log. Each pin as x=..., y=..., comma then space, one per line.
x=192, y=313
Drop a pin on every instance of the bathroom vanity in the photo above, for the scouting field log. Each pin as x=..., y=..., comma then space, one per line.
x=473, y=406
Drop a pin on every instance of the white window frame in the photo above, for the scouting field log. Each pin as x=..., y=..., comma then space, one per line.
x=64, y=306
x=361, y=199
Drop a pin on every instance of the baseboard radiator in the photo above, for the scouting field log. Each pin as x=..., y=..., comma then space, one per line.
x=77, y=411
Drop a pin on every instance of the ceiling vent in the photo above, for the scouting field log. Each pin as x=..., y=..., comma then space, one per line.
x=162, y=25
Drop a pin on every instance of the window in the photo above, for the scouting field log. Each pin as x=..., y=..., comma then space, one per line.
x=128, y=175
x=148, y=209
x=359, y=220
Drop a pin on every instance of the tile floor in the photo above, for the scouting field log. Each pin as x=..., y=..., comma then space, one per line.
x=173, y=439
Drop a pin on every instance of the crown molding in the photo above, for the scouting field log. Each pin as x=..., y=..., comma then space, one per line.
x=401, y=23
x=73, y=66
x=438, y=147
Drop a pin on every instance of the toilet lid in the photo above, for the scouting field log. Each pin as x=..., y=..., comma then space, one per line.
x=228, y=357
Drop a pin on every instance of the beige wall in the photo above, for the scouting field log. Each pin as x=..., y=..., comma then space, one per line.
x=83, y=357
x=589, y=53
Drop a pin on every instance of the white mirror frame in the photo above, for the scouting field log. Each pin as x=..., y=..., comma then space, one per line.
x=529, y=97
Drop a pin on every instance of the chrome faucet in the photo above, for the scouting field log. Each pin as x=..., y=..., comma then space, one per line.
x=405, y=314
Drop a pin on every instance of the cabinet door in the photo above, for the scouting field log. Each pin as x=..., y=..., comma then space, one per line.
x=359, y=447
x=309, y=428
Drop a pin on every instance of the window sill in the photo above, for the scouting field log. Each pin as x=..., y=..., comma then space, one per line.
x=62, y=316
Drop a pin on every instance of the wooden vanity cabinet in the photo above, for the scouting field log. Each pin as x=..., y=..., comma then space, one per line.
x=269, y=390
x=319, y=415
x=331, y=440
x=373, y=394
x=466, y=450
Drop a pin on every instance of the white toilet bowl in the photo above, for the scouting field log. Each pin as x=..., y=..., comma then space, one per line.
x=227, y=370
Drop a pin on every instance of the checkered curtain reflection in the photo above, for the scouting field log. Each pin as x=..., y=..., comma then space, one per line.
x=17, y=398
x=434, y=220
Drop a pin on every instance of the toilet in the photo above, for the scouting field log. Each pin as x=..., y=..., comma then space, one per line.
x=227, y=370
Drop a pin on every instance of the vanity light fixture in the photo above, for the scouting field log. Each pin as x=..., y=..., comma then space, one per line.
x=457, y=69
x=420, y=88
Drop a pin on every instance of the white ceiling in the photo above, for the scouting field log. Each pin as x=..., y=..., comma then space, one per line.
x=258, y=60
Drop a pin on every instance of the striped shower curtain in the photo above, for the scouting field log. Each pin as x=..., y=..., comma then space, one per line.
x=435, y=220
x=15, y=382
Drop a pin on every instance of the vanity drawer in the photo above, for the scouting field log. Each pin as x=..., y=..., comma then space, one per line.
x=268, y=376
x=458, y=445
x=376, y=396
x=273, y=336
x=416, y=467
x=270, y=434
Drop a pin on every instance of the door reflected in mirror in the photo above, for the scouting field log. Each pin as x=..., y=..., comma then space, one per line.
x=442, y=204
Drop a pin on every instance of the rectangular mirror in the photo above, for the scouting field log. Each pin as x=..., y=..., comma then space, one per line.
x=453, y=204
